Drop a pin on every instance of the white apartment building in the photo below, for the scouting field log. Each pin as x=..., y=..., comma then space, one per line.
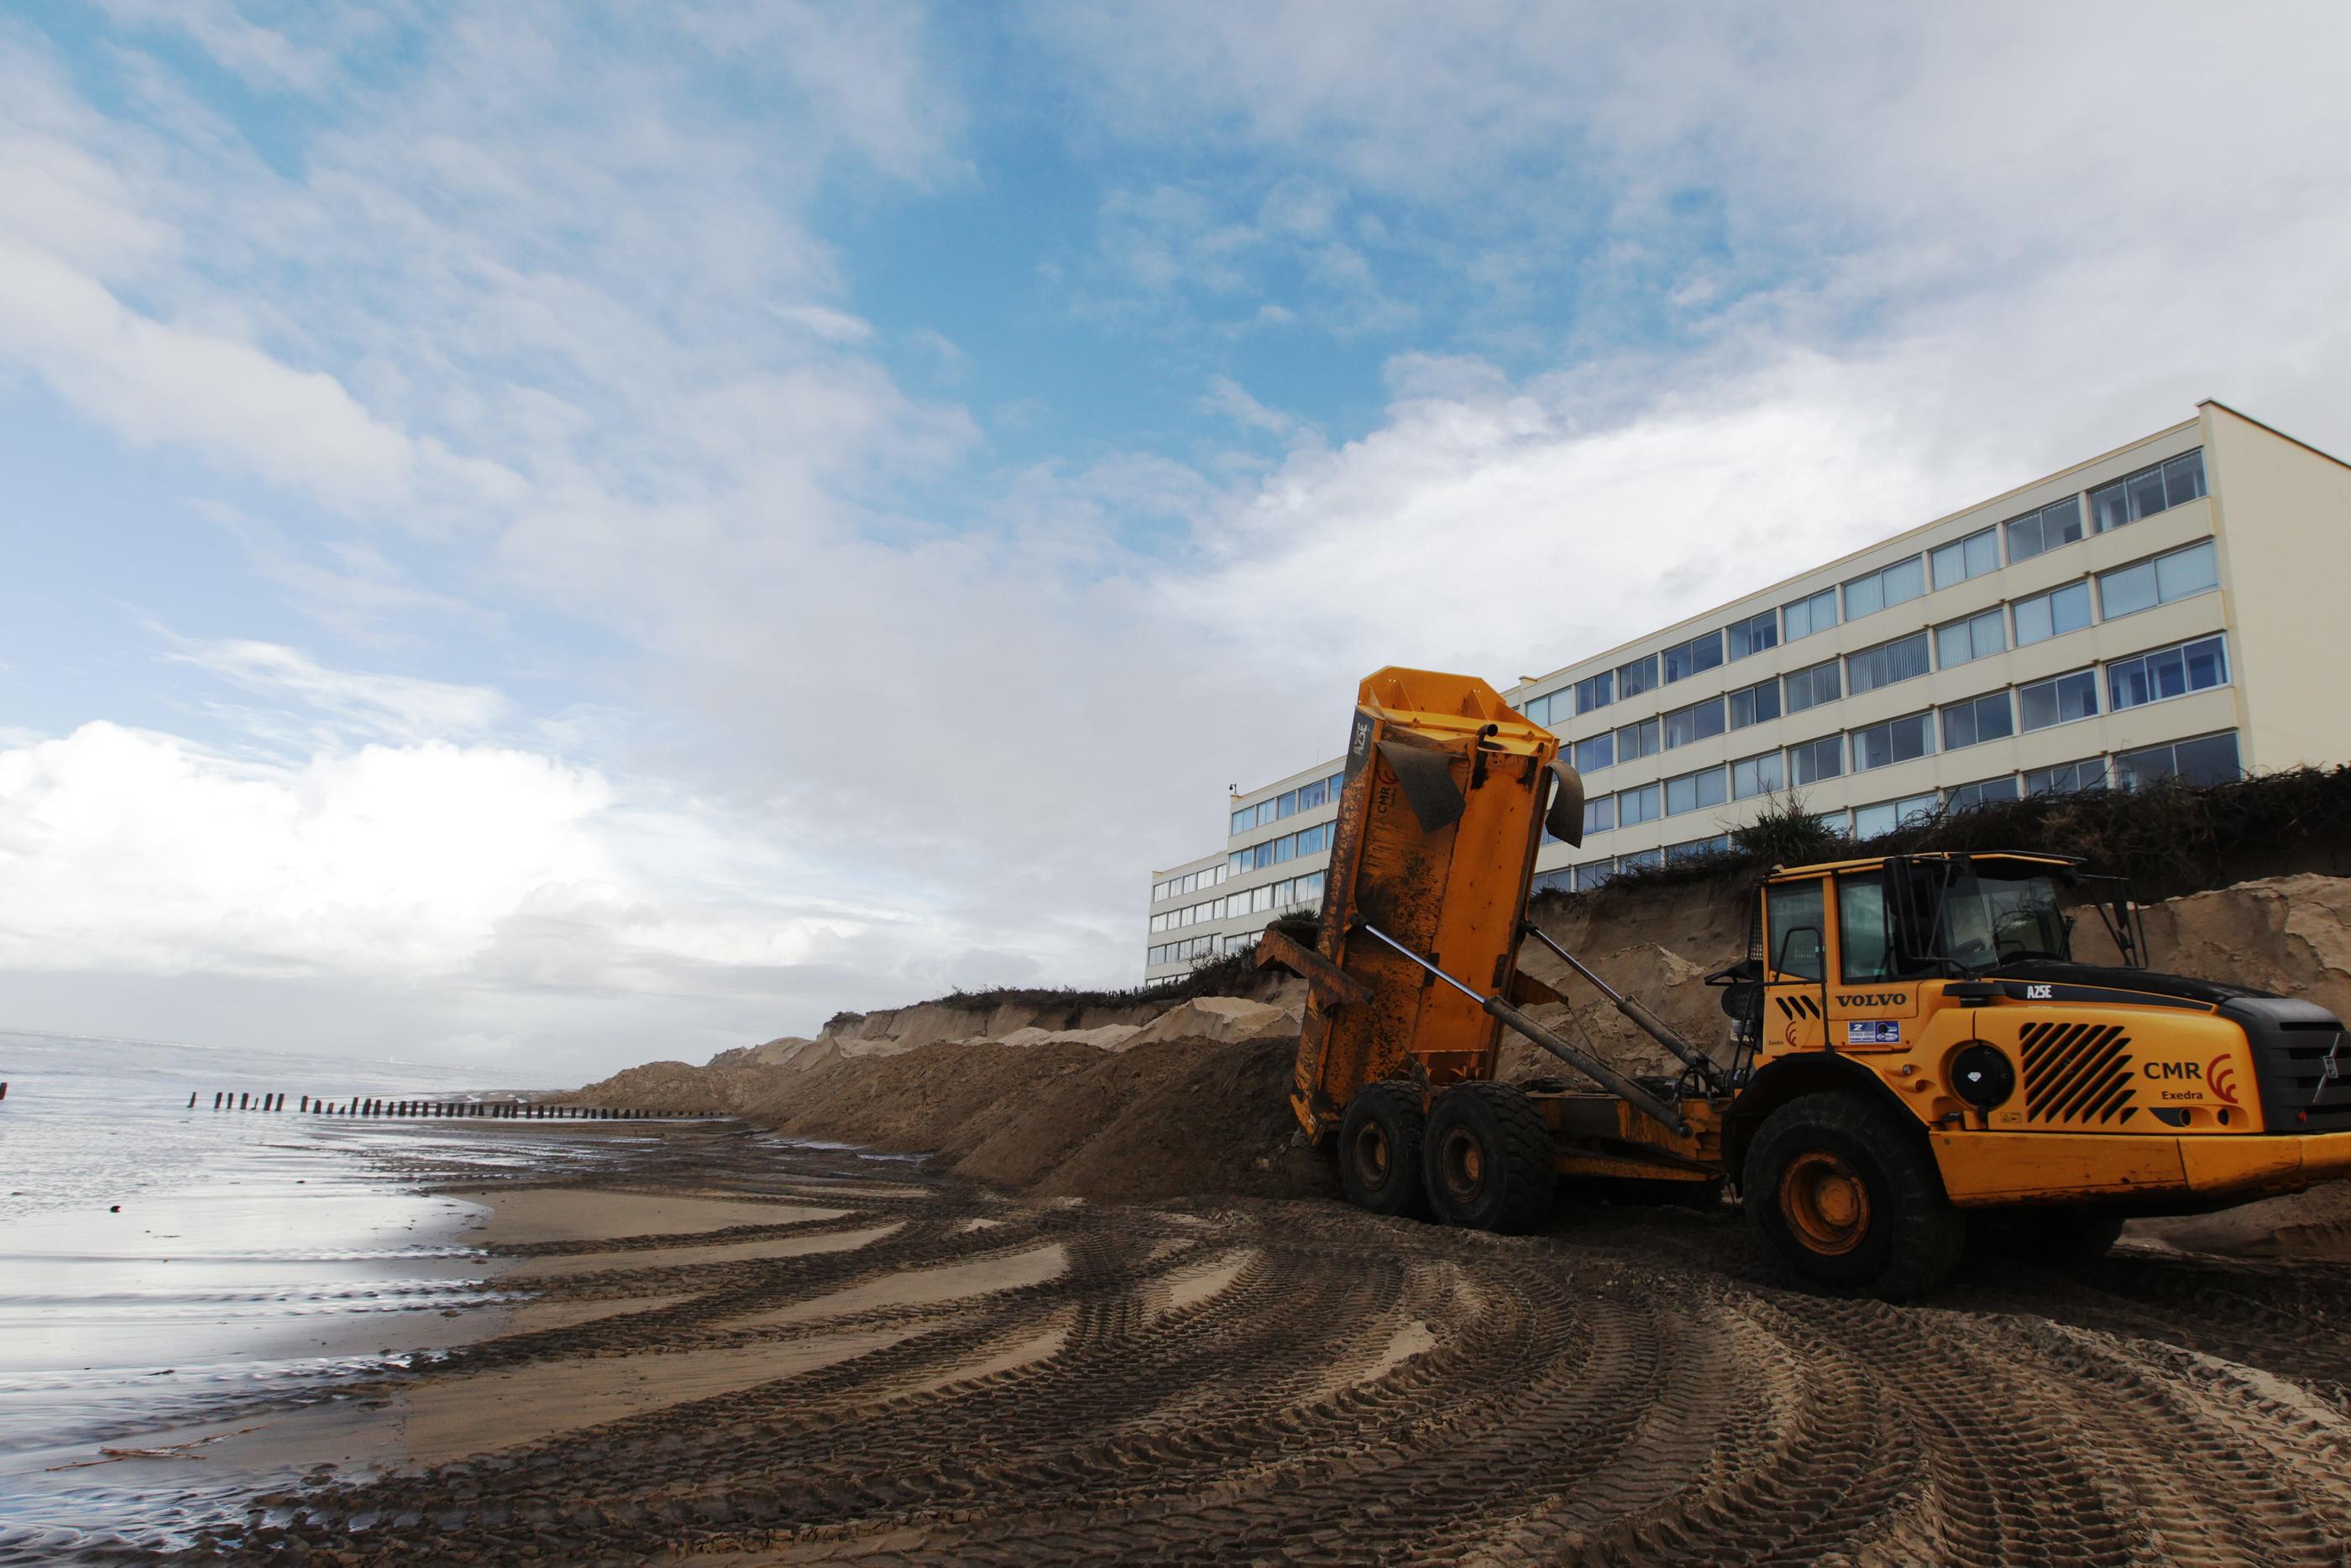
x=2169, y=608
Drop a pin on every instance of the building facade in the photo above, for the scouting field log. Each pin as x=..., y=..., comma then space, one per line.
x=2169, y=608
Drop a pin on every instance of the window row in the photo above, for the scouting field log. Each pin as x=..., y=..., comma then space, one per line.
x=1279, y=851
x=2143, y=584
x=2154, y=489
x=1290, y=803
x=1190, y=882
x=2204, y=760
x=1185, y=951
x=2150, y=677
x=1273, y=897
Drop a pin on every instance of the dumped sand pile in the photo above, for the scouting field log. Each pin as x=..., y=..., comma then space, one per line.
x=2287, y=934
x=1165, y=1119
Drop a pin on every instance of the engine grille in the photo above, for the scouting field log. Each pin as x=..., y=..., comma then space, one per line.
x=2076, y=1075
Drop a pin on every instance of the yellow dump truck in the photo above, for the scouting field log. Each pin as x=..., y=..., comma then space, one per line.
x=1912, y=1047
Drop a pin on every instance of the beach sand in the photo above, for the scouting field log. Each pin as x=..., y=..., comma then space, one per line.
x=725, y=1348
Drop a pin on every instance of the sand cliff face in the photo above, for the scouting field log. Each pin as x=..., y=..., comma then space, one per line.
x=1160, y=1099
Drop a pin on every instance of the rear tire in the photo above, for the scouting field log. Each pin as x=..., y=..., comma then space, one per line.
x=1379, y=1150
x=1488, y=1162
x=2056, y=1237
x=1850, y=1198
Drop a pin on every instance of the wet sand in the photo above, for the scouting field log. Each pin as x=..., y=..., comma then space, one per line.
x=742, y=1351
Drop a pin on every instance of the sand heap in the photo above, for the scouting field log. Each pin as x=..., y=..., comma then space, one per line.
x=1160, y=1099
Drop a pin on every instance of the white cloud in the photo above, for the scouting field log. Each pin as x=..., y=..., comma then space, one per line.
x=1230, y=399
x=476, y=891
x=127, y=849
x=394, y=707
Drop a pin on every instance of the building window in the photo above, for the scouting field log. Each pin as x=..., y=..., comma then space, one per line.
x=1754, y=704
x=1894, y=584
x=1683, y=659
x=1698, y=848
x=1751, y=776
x=2210, y=760
x=1599, y=815
x=2149, y=492
x=1561, y=880
x=1599, y=751
x=1261, y=857
x=1595, y=692
x=1990, y=792
x=1538, y=708
x=1978, y=637
x=1812, y=687
x=1311, y=796
x=1642, y=861
x=1904, y=658
x=2067, y=778
x=1245, y=819
x=2060, y=701
x=2059, y=522
x=1637, y=677
x=2181, y=575
x=2052, y=613
x=1816, y=760
x=1807, y=616
x=1877, y=821
x=1983, y=719
x=1754, y=634
x=1697, y=721
x=1634, y=741
x=1896, y=741
x=1646, y=804
x=2195, y=666
x=1696, y=792
x=1963, y=558
x=1592, y=873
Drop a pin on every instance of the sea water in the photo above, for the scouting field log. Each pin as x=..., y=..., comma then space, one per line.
x=161, y=1264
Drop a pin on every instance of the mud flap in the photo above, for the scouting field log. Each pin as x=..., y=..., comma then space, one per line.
x=1565, y=820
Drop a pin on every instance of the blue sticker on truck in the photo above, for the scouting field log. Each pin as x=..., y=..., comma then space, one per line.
x=1873, y=1031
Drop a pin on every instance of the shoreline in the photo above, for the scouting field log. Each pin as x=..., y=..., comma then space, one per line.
x=153, y=1344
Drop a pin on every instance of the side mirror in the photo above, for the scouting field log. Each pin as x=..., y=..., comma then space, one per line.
x=1565, y=820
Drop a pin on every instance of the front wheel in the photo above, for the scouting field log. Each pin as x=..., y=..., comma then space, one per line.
x=1379, y=1150
x=1488, y=1159
x=1851, y=1197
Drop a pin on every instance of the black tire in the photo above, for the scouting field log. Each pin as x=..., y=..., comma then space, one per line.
x=1379, y=1150
x=2058, y=1236
x=1487, y=1161
x=1850, y=1198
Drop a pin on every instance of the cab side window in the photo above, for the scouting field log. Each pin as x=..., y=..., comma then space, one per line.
x=1864, y=951
x=1793, y=927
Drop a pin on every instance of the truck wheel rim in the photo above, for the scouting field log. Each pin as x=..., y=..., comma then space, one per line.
x=1825, y=1202
x=1464, y=1165
x=1372, y=1156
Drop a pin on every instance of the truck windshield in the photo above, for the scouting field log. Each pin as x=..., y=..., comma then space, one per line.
x=1992, y=914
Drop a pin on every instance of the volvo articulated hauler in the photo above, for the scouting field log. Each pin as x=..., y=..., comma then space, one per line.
x=1912, y=1048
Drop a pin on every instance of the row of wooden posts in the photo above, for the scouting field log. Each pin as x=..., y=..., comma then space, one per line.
x=504, y=1110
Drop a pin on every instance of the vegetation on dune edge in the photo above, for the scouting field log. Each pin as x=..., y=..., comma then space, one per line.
x=2168, y=839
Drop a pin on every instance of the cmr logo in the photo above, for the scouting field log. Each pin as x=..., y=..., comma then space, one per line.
x=2218, y=1075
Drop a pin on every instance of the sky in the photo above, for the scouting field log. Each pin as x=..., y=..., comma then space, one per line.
x=566, y=536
